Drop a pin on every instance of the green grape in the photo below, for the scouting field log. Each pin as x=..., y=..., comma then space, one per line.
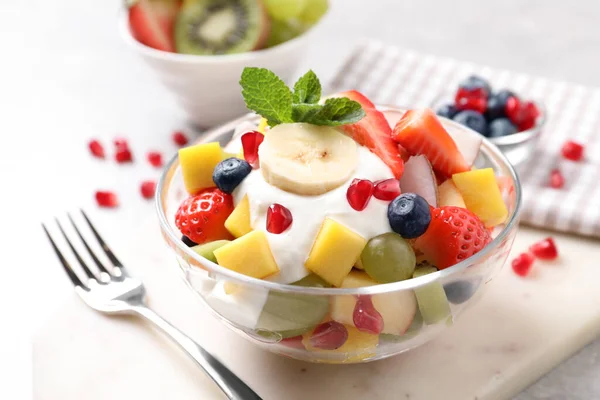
x=432, y=300
x=290, y=314
x=313, y=11
x=282, y=31
x=206, y=250
x=284, y=9
x=388, y=258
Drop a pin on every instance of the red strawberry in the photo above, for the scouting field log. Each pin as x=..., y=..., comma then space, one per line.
x=373, y=132
x=202, y=217
x=152, y=22
x=421, y=132
x=454, y=234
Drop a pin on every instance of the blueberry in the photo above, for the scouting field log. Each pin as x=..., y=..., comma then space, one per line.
x=188, y=242
x=459, y=291
x=409, y=215
x=501, y=127
x=229, y=173
x=497, y=104
x=476, y=82
x=447, y=110
x=472, y=119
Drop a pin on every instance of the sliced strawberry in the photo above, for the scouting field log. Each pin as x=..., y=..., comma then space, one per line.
x=421, y=132
x=152, y=21
x=374, y=132
x=454, y=234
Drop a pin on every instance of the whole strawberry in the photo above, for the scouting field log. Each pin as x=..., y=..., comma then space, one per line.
x=201, y=217
x=454, y=234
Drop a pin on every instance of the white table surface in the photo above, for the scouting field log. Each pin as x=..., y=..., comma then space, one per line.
x=65, y=76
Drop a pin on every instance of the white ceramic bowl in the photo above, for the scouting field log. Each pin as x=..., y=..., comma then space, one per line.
x=207, y=87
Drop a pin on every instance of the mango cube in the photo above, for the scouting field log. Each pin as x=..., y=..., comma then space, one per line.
x=249, y=255
x=238, y=222
x=334, y=252
x=482, y=196
x=197, y=165
x=358, y=346
x=262, y=125
x=448, y=195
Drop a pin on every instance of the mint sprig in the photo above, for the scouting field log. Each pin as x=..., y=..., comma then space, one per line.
x=266, y=94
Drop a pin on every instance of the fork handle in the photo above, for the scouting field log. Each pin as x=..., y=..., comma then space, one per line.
x=233, y=387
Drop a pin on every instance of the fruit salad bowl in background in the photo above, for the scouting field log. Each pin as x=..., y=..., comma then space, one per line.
x=205, y=84
x=299, y=320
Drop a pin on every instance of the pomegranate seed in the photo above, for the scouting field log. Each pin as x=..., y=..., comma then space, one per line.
x=359, y=193
x=474, y=99
x=329, y=335
x=148, y=189
x=522, y=264
x=96, y=148
x=293, y=342
x=155, y=159
x=279, y=218
x=572, y=151
x=557, y=180
x=545, y=249
x=123, y=155
x=250, y=143
x=179, y=138
x=387, y=189
x=365, y=317
x=120, y=143
x=106, y=199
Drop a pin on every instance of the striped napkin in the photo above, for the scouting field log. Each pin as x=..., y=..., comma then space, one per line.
x=389, y=75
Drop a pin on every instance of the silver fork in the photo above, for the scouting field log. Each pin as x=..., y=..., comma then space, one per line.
x=114, y=291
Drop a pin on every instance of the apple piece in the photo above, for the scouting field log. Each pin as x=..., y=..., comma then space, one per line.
x=448, y=195
x=467, y=141
x=419, y=178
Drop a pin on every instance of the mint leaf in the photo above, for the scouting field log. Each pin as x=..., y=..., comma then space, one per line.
x=335, y=112
x=267, y=95
x=308, y=89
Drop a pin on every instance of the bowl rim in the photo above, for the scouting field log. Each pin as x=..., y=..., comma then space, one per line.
x=248, y=56
x=509, y=140
x=235, y=277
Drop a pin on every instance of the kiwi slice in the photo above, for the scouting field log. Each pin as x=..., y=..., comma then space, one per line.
x=291, y=315
x=206, y=250
x=209, y=27
x=431, y=298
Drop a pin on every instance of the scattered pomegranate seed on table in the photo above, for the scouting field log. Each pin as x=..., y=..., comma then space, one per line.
x=123, y=155
x=523, y=263
x=179, y=138
x=359, y=193
x=120, y=143
x=279, y=218
x=329, y=335
x=365, y=317
x=557, y=180
x=572, y=150
x=545, y=249
x=250, y=143
x=106, y=199
x=387, y=189
x=155, y=159
x=96, y=148
x=148, y=188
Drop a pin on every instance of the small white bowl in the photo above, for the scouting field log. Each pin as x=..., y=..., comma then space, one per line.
x=207, y=87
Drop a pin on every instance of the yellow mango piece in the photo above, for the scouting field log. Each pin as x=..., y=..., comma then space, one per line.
x=249, y=255
x=334, y=252
x=197, y=165
x=238, y=222
x=358, y=346
x=448, y=195
x=262, y=125
x=482, y=196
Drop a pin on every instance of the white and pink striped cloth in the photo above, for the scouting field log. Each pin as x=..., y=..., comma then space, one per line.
x=388, y=75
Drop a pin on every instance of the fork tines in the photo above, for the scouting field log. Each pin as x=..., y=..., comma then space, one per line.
x=116, y=271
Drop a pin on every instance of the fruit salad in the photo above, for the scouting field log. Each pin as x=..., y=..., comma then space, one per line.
x=331, y=192
x=211, y=27
x=492, y=114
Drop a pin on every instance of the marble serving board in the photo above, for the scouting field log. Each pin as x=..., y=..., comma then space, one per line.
x=518, y=331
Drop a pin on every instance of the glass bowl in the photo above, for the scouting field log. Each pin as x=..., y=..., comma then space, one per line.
x=517, y=147
x=281, y=318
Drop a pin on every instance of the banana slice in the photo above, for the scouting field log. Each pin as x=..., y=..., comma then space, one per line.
x=307, y=159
